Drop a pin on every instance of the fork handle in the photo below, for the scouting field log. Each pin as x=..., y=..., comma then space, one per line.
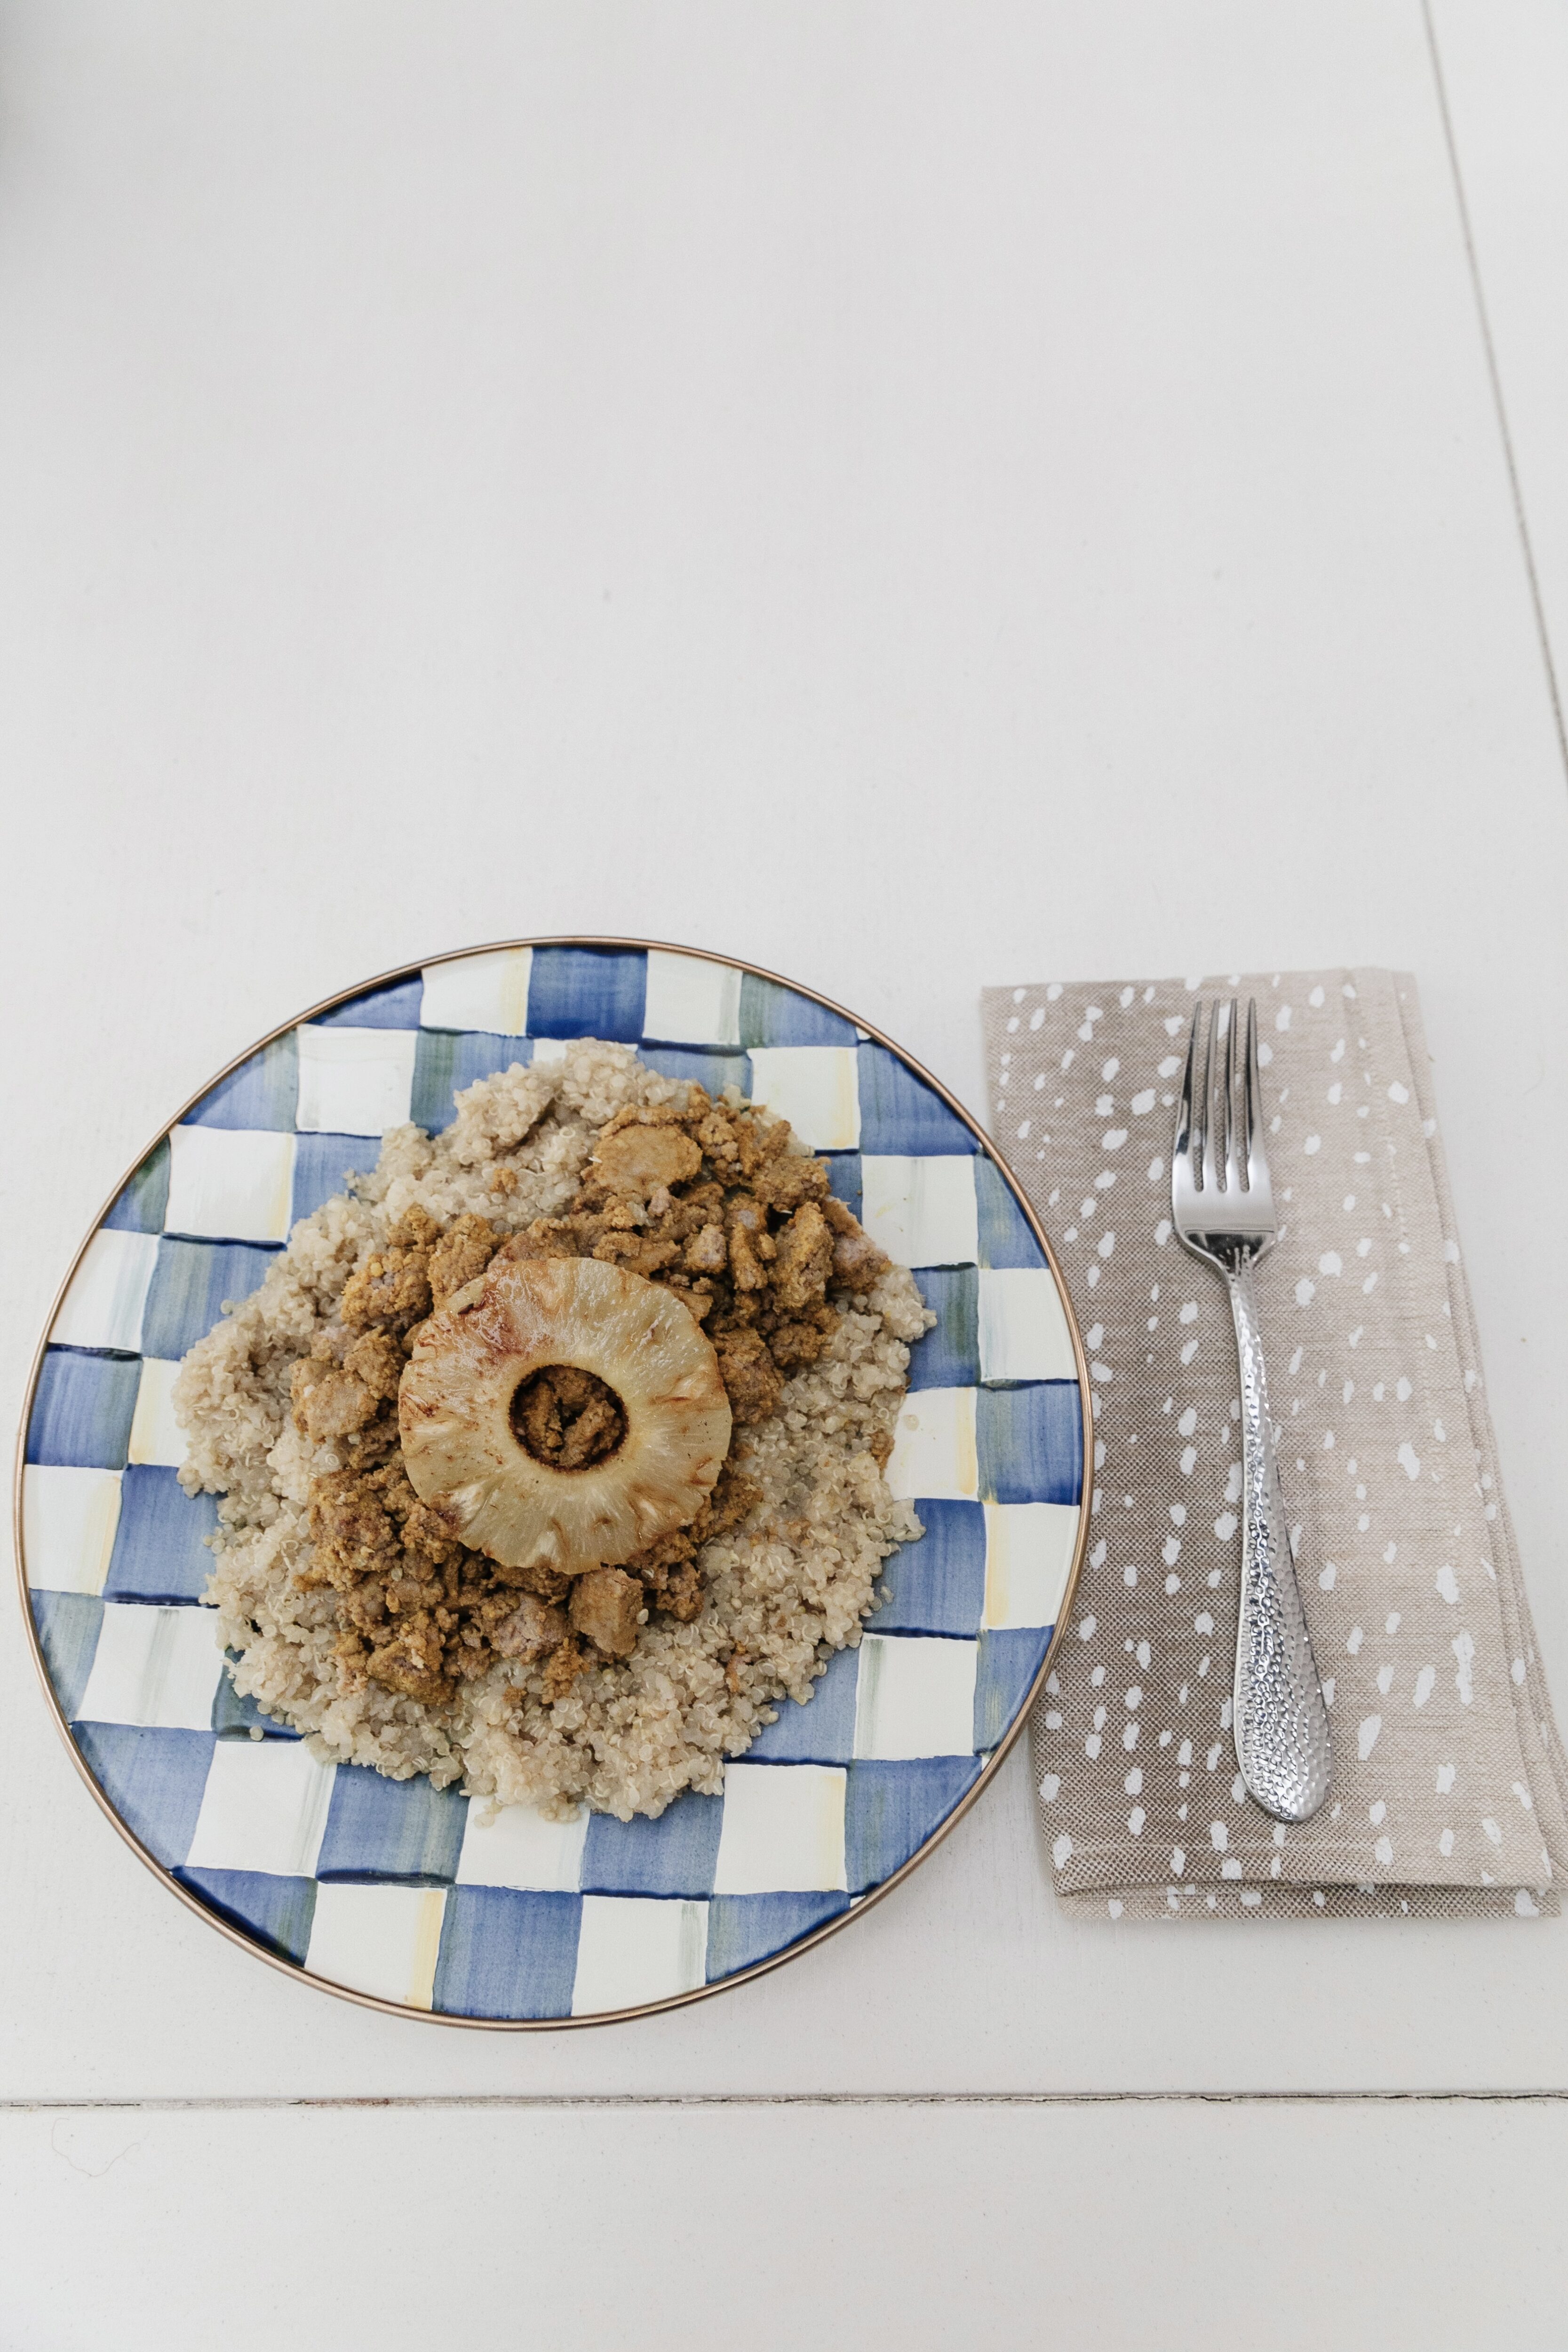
x=1281, y=1723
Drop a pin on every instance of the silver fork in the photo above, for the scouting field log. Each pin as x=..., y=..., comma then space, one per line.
x=1222, y=1206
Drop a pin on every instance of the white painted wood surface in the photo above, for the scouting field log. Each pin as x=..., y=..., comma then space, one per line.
x=892, y=493
x=869, y=2226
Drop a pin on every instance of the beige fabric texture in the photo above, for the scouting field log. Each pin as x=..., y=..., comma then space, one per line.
x=1449, y=1789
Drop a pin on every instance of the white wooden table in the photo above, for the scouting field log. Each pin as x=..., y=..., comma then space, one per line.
x=891, y=491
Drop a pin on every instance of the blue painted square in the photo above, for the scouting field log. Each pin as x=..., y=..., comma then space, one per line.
x=1030, y=1442
x=587, y=993
x=68, y=1626
x=772, y=1014
x=447, y=1060
x=844, y=1181
x=264, y=1092
x=153, y=1780
x=1008, y=1662
x=902, y=1116
x=276, y=1913
x=83, y=1409
x=708, y=1066
x=160, y=1549
x=893, y=1809
x=673, y=1855
x=823, y=1730
x=744, y=1928
x=948, y=1355
x=378, y=1828
x=938, y=1583
x=236, y=1718
x=394, y=1007
x=1005, y=1235
x=321, y=1163
x=189, y=1286
x=138, y=1207
x=507, y=1955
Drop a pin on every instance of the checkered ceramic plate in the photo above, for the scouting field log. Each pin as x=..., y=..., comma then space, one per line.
x=391, y=1891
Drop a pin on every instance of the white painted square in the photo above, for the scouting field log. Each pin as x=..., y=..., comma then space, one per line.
x=933, y=1447
x=354, y=1081
x=383, y=1940
x=915, y=1697
x=157, y=1667
x=68, y=1523
x=1029, y=1555
x=103, y=1306
x=634, y=1948
x=518, y=1847
x=265, y=1808
x=691, y=1001
x=782, y=1829
x=921, y=1212
x=156, y=1436
x=231, y=1184
x=549, y=1049
x=815, y=1087
x=478, y=991
x=1024, y=1333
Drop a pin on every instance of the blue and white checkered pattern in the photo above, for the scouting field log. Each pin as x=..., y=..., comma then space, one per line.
x=398, y=1890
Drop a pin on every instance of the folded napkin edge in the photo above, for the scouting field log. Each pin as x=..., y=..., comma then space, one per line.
x=1534, y=1717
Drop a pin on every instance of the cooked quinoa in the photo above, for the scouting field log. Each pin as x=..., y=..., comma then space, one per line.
x=751, y=1621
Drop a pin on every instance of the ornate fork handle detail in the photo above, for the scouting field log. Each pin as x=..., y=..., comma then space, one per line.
x=1222, y=1205
x=1281, y=1723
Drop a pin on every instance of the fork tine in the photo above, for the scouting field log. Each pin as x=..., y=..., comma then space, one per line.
x=1254, y=1093
x=1214, y=1144
x=1234, y=1146
x=1183, y=1148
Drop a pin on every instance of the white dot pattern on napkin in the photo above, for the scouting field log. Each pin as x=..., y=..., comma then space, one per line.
x=1375, y=1395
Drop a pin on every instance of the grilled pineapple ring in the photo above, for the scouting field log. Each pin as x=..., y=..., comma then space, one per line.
x=455, y=1412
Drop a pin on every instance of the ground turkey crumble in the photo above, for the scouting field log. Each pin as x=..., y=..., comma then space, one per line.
x=351, y=1612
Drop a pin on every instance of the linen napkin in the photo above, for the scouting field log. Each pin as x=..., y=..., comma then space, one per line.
x=1450, y=1793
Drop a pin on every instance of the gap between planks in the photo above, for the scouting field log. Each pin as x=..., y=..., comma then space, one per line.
x=1494, y=375
x=507, y=2103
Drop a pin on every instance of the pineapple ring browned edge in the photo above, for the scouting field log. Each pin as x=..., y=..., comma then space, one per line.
x=544, y=1472
x=829, y=1926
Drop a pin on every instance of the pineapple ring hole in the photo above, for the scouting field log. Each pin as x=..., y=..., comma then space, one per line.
x=567, y=1418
